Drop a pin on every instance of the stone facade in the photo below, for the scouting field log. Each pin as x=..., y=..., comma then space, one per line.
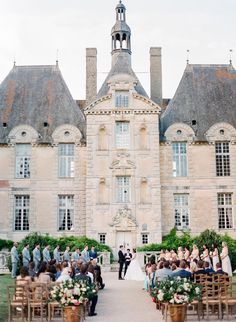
x=123, y=169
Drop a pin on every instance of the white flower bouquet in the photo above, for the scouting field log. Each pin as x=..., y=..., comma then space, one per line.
x=177, y=291
x=72, y=292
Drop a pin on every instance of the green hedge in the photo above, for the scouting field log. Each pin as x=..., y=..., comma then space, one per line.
x=175, y=239
x=5, y=244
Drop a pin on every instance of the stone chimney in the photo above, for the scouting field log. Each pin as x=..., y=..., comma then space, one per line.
x=156, y=75
x=91, y=74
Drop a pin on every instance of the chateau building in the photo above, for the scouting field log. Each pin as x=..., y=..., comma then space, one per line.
x=120, y=167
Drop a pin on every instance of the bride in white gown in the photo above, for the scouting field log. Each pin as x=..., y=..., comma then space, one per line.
x=134, y=271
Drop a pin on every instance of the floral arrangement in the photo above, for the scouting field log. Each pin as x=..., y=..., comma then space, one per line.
x=177, y=291
x=72, y=292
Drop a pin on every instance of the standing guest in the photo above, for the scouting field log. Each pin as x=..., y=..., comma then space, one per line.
x=215, y=256
x=226, y=264
x=167, y=255
x=180, y=254
x=173, y=255
x=14, y=259
x=162, y=255
x=26, y=256
x=153, y=276
x=195, y=253
x=56, y=254
x=66, y=255
x=147, y=277
x=93, y=253
x=205, y=255
x=85, y=254
x=46, y=254
x=128, y=257
x=121, y=261
x=36, y=257
x=98, y=274
x=76, y=255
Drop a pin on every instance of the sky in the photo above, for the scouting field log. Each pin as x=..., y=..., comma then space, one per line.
x=33, y=31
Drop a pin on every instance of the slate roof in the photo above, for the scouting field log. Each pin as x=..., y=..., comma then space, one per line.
x=33, y=95
x=122, y=66
x=206, y=94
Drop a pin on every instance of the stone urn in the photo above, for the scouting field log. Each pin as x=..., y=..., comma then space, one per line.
x=74, y=313
x=177, y=312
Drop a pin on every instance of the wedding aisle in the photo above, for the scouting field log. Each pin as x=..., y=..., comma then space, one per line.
x=123, y=301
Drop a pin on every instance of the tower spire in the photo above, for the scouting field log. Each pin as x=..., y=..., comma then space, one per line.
x=121, y=32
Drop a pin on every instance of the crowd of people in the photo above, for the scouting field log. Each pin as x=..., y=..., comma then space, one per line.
x=184, y=263
x=62, y=266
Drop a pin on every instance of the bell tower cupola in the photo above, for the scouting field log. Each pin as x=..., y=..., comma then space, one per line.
x=120, y=34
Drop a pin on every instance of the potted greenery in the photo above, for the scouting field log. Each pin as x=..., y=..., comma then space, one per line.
x=73, y=295
x=177, y=293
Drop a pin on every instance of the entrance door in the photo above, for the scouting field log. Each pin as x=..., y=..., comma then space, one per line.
x=123, y=238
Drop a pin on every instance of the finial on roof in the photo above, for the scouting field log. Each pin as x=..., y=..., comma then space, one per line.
x=188, y=51
x=14, y=63
x=57, y=54
x=230, y=56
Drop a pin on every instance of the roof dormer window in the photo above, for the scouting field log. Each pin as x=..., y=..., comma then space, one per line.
x=122, y=99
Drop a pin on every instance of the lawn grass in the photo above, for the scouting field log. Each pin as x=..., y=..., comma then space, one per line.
x=5, y=280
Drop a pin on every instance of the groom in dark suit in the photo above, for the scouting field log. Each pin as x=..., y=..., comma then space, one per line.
x=121, y=261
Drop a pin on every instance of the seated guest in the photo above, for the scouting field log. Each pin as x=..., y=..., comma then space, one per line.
x=32, y=272
x=23, y=278
x=165, y=272
x=200, y=268
x=58, y=271
x=84, y=277
x=65, y=275
x=219, y=270
x=208, y=270
x=182, y=272
x=43, y=275
x=193, y=267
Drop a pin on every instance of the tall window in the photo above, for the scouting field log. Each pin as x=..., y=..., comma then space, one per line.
x=23, y=154
x=181, y=211
x=225, y=218
x=144, y=238
x=66, y=160
x=122, y=99
x=123, y=189
x=122, y=135
x=21, y=220
x=222, y=159
x=66, y=212
x=179, y=159
x=102, y=238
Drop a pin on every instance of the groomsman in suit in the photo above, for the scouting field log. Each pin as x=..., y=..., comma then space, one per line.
x=121, y=261
x=14, y=259
x=85, y=254
x=128, y=257
x=56, y=254
x=36, y=257
x=46, y=254
x=66, y=255
x=93, y=253
x=26, y=256
x=75, y=255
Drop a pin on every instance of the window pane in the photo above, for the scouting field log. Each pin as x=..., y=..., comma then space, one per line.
x=21, y=221
x=122, y=99
x=66, y=160
x=123, y=189
x=23, y=154
x=122, y=135
x=179, y=152
x=225, y=213
x=65, y=212
x=181, y=211
x=222, y=159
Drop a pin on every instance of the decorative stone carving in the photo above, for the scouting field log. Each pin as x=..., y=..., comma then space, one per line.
x=221, y=132
x=67, y=133
x=180, y=132
x=23, y=134
x=124, y=219
x=122, y=162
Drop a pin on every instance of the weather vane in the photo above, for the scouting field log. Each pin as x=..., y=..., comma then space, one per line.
x=188, y=53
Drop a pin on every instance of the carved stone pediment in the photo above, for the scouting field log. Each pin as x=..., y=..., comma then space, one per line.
x=124, y=219
x=122, y=162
